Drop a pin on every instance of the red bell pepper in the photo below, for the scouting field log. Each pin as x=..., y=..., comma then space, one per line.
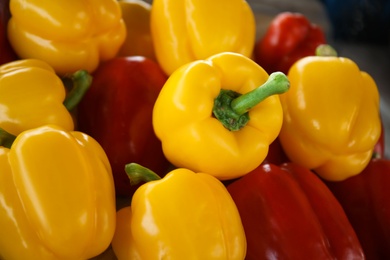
x=117, y=112
x=366, y=201
x=7, y=54
x=289, y=213
x=276, y=154
x=289, y=37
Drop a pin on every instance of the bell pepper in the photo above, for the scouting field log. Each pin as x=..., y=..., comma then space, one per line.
x=276, y=154
x=331, y=117
x=32, y=95
x=57, y=196
x=366, y=201
x=138, y=42
x=289, y=37
x=185, y=215
x=117, y=112
x=212, y=116
x=289, y=213
x=69, y=35
x=7, y=53
x=185, y=31
x=379, y=148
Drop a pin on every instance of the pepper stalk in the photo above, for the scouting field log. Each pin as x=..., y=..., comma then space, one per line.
x=231, y=108
x=138, y=174
x=80, y=82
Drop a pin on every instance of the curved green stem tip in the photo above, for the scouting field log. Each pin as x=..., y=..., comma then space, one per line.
x=138, y=173
x=81, y=81
x=326, y=50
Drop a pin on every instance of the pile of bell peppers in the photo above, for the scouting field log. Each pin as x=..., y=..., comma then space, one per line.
x=57, y=190
x=184, y=137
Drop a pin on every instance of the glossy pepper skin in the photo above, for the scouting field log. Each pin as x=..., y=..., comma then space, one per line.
x=58, y=197
x=289, y=213
x=331, y=117
x=379, y=148
x=276, y=154
x=289, y=37
x=7, y=53
x=195, y=139
x=184, y=31
x=184, y=215
x=117, y=112
x=69, y=35
x=31, y=95
x=366, y=201
x=138, y=42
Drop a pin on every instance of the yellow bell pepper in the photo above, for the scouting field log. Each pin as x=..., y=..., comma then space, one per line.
x=185, y=215
x=184, y=31
x=198, y=127
x=69, y=35
x=57, y=198
x=136, y=15
x=32, y=95
x=331, y=116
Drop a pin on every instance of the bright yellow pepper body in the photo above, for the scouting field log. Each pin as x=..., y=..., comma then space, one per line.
x=331, y=116
x=57, y=196
x=136, y=15
x=184, y=31
x=32, y=95
x=69, y=35
x=185, y=215
x=193, y=138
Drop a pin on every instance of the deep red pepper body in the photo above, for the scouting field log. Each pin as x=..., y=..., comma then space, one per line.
x=7, y=54
x=117, y=112
x=289, y=213
x=276, y=155
x=289, y=37
x=366, y=201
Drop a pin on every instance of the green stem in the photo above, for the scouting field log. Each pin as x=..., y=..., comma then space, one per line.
x=6, y=139
x=376, y=155
x=325, y=50
x=231, y=108
x=138, y=173
x=277, y=83
x=81, y=81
